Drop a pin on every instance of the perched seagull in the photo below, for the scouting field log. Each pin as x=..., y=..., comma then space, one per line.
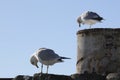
x=89, y=18
x=47, y=57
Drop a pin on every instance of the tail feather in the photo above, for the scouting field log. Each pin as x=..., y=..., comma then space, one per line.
x=65, y=58
x=60, y=60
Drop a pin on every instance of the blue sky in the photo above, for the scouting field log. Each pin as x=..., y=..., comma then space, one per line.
x=27, y=25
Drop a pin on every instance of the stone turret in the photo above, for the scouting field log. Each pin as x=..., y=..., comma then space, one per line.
x=98, y=50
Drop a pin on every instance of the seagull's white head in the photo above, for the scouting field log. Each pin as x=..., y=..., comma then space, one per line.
x=79, y=21
x=34, y=61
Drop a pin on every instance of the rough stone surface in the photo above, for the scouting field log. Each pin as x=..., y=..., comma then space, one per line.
x=113, y=76
x=39, y=76
x=84, y=76
x=23, y=77
x=88, y=76
x=6, y=78
x=98, y=50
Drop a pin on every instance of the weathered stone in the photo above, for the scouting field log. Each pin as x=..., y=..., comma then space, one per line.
x=6, y=78
x=23, y=77
x=88, y=76
x=98, y=50
x=113, y=76
x=39, y=76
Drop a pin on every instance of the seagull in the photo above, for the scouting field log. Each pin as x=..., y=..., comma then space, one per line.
x=46, y=57
x=89, y=18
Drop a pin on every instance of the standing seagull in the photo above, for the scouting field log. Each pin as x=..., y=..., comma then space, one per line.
x=89, y=18
x=47, y=57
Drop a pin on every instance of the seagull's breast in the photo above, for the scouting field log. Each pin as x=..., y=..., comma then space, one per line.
x=48, y=62
x=90, y=22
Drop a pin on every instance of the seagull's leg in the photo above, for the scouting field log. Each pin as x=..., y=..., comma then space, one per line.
x=79, y=24
x=47, y=76
x=47, y=69
x=90, y=26
x=41, y=68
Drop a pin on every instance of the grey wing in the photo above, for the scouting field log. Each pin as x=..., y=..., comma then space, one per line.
x=91, y=15
x=48, y=54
